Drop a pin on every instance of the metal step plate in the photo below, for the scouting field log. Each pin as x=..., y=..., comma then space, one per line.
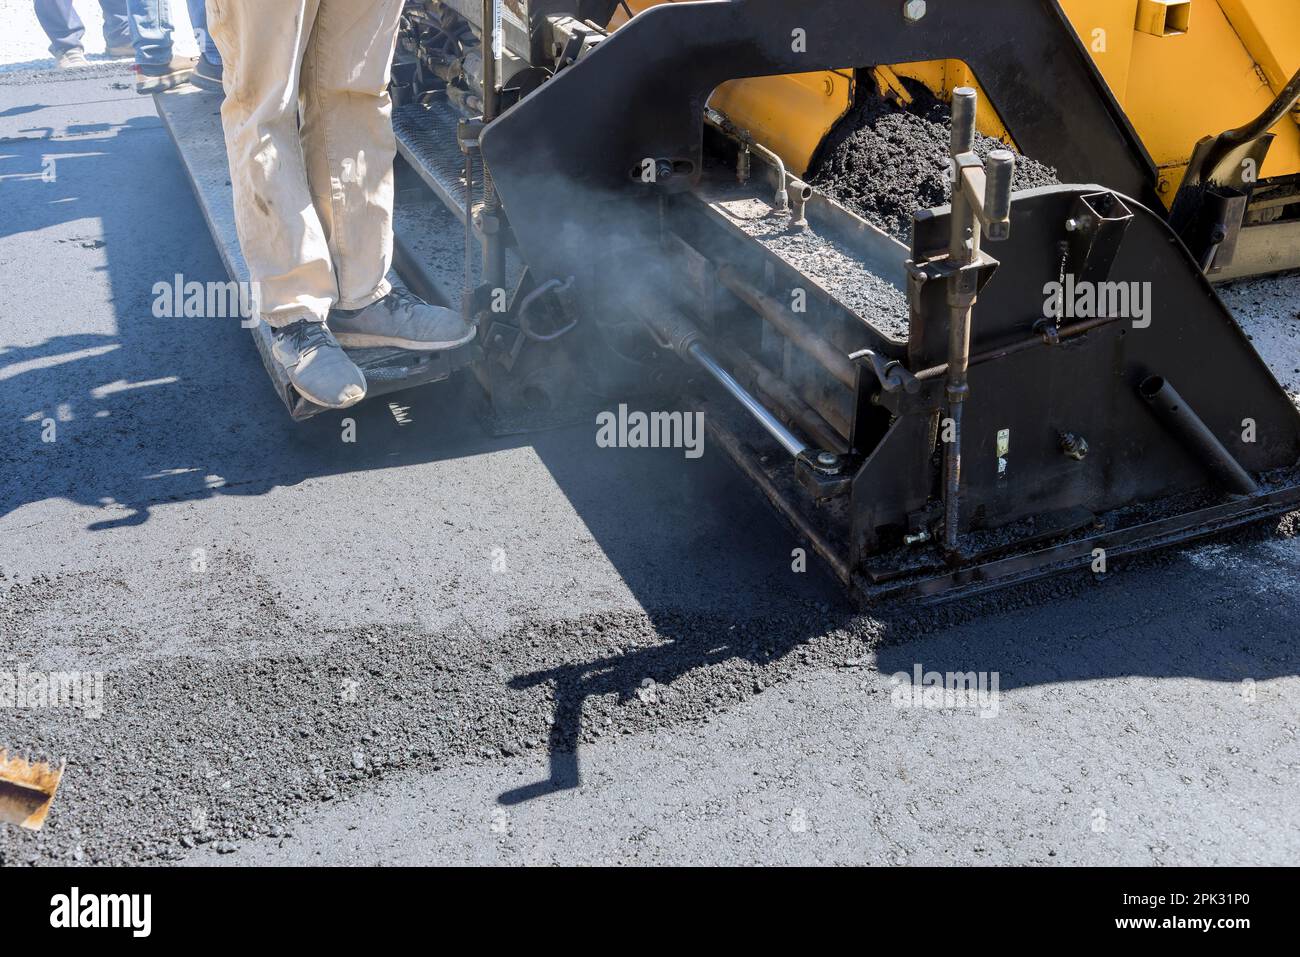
x=426, y=138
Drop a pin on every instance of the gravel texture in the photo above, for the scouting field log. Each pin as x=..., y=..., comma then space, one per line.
x=276, y=713
x=1118, y=740
x=830, y=264
x=885, y=162
x=1268, y=311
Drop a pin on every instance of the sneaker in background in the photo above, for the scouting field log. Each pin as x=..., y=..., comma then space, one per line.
x=207, y=76
x=165, y=76
x=69, y=59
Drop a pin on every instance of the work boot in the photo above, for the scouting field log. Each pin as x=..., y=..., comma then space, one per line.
x=165, y=76
x=317, y=365
x=207, y=76
x=69, y=59
x=403, y=321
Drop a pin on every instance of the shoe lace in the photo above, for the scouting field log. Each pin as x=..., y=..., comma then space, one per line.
x=399, y=300
x=307, y=337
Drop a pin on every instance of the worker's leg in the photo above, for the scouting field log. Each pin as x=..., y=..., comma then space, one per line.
x=282, y=239
x=117, y=27
x=157, y=68
x=61, y=24
x=151, y=31
x=207, y=71
x=347, y=138
x=262, y=43
x=198, y=11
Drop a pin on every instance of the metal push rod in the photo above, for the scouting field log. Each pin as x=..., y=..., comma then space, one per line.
x=981, y=201
x=494, y=253
x=963, y=250
x=673, y=330
x=789, y=441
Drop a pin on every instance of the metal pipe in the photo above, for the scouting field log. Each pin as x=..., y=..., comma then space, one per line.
x=963, y=250
x=491, y=26
x=494, y=252
x=467, y=295
x=1182, y=420
x=789, y=441
x=673, y=330
x=791, y=403
x=796, y=330
x=782, y=199
x=988, y=355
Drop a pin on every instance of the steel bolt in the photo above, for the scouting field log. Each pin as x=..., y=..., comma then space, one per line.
x=913, y=10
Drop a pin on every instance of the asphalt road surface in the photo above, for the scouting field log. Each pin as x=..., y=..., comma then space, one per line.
x=433, y=645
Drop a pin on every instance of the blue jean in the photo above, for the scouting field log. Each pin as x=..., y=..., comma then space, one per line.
x=151, y=30
x=61, y=24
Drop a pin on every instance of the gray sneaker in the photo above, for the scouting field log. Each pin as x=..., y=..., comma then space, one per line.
x=317, y=366
x=403, y=321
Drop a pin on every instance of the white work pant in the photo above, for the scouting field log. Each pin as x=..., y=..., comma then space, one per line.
x=310, y=142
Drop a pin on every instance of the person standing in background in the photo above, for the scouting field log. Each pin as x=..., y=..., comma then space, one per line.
x=157, y=67
x=66, y=30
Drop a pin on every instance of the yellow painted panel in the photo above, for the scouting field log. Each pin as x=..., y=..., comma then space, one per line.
x=1187, y=87
x=1270, y=29
x=1106, y=29
x=790, y=115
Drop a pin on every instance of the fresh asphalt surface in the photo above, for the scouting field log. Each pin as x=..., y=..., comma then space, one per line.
x=388, y=651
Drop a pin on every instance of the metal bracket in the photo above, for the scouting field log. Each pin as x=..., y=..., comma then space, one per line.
x=1096, y=226
x=891, y=373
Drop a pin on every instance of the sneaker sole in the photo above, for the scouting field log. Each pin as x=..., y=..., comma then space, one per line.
x=318, y=401
x=161, y=84
x=323, y=404
x=206, y=84
x=359, y=340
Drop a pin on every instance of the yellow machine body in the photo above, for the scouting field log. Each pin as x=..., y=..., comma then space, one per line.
x=1180, y=69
